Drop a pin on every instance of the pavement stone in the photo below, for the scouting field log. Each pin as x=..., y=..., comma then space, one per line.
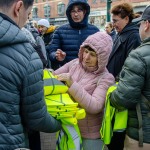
x=48, y=141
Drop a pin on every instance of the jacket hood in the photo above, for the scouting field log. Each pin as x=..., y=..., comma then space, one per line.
x=133, y=27
x=130, y=26
x=51, y=29
x=84, y=22
x=101, y=43
x=10, y=33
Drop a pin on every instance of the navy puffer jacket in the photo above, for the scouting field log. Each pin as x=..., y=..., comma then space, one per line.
x=21, y=88
x=70, y=36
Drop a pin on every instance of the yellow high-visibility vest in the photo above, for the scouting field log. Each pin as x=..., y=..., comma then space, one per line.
x=59, y=103
x=52, y=85
x=69, y=138
x=61, y=106
x=120, y=118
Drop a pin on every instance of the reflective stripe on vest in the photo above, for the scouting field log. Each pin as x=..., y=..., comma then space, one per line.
x=62, y=107
x=52, y=85
x=59, y=104
x=69, y=138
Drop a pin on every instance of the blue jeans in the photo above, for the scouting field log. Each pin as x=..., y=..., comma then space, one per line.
x=93, y=144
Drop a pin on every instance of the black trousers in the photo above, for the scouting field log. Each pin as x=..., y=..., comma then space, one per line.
x=117, y=141
x=34, y=140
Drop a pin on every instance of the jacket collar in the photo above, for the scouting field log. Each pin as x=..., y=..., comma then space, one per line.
x=5, y=17
x=123, y=36
x=146, y=40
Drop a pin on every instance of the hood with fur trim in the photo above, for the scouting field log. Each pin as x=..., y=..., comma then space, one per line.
x=51, y=29
x=101, y=43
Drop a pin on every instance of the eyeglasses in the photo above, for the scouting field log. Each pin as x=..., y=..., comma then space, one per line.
x=114, y=21
x=79, y=11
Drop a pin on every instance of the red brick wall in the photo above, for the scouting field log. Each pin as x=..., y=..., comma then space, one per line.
x=94, y=6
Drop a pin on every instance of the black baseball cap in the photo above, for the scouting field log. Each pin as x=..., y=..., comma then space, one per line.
x=144, y=16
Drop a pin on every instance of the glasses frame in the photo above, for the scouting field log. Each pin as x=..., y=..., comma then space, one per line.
x=79, y=11
x=115, y=21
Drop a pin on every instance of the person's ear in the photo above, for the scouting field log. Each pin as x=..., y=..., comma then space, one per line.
x=84, y=12
x=18, y=7
x=147, y=26
x=127, y=19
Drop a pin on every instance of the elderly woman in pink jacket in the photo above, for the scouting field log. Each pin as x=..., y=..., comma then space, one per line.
x=88, y=81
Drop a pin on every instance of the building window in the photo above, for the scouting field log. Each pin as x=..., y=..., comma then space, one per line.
x=61, y=9
x=94, y=1
x=47, y=10
x=103, y=0
x=34, y=12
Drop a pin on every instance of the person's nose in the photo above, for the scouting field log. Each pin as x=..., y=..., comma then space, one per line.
x=87, y=56
x=39, y=29
x=76, y=13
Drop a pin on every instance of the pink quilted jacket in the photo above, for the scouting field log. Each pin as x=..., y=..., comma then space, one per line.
x=89, y=88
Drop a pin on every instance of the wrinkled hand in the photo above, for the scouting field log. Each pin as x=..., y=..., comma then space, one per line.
x=65, y=77
x=60, y=55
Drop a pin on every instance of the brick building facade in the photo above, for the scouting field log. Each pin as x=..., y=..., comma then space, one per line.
x=54, y=10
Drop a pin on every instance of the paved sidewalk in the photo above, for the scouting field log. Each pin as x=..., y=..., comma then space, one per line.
x=48, y=141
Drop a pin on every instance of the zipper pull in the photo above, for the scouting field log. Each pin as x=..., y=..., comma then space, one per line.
x=79, y=31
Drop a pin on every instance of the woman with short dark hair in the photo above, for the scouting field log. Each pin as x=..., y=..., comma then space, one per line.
x=127, y=39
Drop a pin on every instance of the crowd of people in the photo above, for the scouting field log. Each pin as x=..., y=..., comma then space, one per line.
x=87, y=60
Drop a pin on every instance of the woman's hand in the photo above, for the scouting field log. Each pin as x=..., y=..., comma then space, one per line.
x=60, y=55
x=65, y=77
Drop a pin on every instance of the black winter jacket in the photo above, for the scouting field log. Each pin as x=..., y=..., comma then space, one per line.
x=125, y=41
x=113, y=34
x=21, y=88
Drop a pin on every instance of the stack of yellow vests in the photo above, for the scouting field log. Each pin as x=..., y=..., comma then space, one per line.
x=61, y=106
x=113, y=120
x=58, y=101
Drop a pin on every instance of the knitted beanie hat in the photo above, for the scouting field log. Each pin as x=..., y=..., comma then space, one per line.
x=43, y=22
